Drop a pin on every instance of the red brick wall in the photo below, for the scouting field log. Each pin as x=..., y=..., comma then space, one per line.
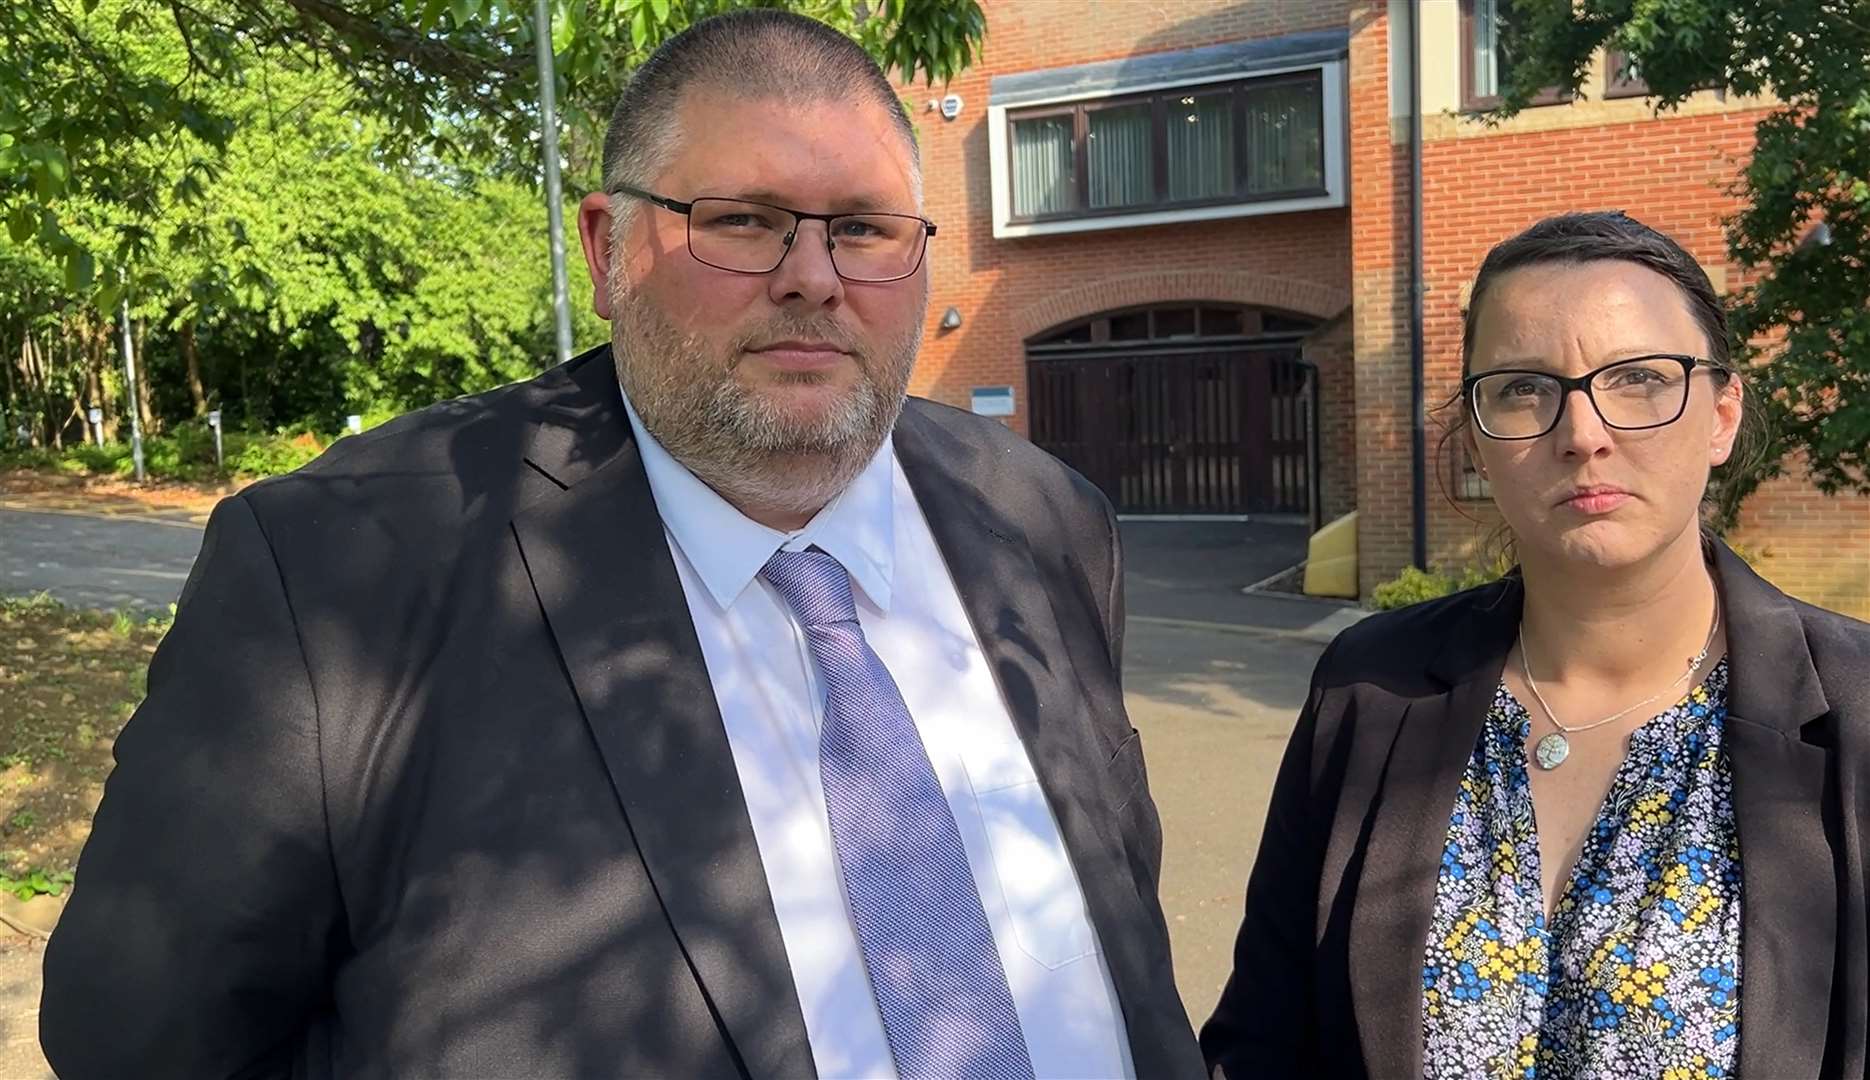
x=1380, y=320
x=1814, y=546
x=1007, y=290
x=1330, y=349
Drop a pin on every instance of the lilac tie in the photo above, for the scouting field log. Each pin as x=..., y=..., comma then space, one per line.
x=933, y=966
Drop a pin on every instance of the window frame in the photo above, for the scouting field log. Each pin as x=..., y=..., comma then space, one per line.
x=1472, y=102
x=1047, y=112
x=1160, y=100
x=1466, y=483
x=1097, y=327
x=1615, y=88
x=1081, y=150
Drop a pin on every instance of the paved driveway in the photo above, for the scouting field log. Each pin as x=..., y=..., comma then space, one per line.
x=1215, y=709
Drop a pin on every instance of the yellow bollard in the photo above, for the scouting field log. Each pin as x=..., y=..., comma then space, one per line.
x=1331, y=559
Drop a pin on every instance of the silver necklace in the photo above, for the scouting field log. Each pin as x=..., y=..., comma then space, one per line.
x=1553, y=749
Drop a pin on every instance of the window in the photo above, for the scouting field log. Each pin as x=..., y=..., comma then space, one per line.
x=1175, y=323
x=1469, y=485
x=1485, y=73
x=1201, y=147
x=1170, y=321
x=1119, y=156
x=1191, y=147
x=1486, y=66
x=1621, y=79
x=1049, y=183
x=1285, y=141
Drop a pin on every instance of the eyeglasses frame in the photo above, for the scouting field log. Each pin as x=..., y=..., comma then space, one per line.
x=686, y=209
x=1570, y=384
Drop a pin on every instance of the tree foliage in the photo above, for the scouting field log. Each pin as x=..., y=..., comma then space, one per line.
x=1803, y=228
x=87, y=85
x=313, y=207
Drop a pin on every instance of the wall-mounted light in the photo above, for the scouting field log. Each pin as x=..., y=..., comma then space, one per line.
x=951, y=319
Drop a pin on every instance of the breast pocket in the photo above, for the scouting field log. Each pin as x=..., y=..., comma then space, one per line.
x=1034, y=872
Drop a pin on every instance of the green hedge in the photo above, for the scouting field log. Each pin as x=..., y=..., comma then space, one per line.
x=186, y=453
x=1414, y=586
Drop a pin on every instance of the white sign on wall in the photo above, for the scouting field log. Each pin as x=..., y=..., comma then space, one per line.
x=993, y=401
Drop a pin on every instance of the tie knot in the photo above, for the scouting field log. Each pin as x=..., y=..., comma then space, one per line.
x=816, y=586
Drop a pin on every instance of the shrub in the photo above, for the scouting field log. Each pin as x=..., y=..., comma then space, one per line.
x=270, y=455
x=185, y=453
x=1414, y=586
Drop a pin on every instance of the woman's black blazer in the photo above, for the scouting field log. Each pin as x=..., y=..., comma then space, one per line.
x=1328, y=966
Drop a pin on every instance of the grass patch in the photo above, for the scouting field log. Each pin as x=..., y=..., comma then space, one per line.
x=68, y=681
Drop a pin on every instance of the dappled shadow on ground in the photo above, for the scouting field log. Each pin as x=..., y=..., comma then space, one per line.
x=1215, y=710
x=1196, y=570
x=1222, y=674
x=68, y=681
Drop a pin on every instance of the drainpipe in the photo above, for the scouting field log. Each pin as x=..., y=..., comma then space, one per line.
x=1418, y=411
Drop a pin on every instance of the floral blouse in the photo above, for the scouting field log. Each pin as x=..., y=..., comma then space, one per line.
x=1638, y=974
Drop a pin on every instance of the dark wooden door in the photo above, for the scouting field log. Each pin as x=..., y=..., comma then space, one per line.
x=1180, y=428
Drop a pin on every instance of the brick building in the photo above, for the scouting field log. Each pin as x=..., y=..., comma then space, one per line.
x=1175, y=250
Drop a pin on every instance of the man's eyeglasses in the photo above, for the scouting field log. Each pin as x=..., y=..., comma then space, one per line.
x=1629, y=395
x=745, y=237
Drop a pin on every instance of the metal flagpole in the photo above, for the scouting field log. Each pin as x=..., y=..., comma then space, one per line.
x=548, y=119
x=129, y=374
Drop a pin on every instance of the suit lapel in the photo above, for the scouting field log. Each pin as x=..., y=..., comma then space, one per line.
x=607, y=583
x=1789, y=886
x=1395, y=896
x=1007, y=599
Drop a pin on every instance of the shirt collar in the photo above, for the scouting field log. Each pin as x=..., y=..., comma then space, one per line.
x=728, y=549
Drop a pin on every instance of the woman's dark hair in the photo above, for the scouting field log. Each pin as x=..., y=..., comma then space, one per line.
x=1594, y=236
x=1608, y=235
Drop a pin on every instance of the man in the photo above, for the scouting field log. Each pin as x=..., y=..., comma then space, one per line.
x=734, y=722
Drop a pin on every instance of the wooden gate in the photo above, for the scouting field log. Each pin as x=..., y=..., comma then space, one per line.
x=1181, y=427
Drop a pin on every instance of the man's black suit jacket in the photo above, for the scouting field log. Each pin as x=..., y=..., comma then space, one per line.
x=431, y=780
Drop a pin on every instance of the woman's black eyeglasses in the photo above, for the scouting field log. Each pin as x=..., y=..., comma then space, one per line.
x=1629, y=395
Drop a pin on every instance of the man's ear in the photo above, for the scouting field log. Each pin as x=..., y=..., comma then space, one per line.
x=594, y=228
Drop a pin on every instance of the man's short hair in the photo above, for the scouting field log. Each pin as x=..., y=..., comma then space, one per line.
x=755, y=54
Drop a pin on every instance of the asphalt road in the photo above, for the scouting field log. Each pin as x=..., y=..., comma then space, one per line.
x=95, y=562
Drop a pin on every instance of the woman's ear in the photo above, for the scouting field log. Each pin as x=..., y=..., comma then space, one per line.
x=1473, y=448
x=1729, y=409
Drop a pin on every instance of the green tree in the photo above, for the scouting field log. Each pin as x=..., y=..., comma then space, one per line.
x=319, y=278
x=313, y=208
x=1804, y=225
x=81, y=101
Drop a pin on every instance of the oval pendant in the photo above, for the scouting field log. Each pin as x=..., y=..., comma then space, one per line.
x=1552, y=751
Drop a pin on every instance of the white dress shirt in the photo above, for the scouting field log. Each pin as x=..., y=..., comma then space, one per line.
x=768, y=691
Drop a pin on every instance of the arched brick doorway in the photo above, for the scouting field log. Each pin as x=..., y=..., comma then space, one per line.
x=1182, y=408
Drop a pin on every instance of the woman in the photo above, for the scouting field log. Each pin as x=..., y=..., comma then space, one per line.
x=1607, y=817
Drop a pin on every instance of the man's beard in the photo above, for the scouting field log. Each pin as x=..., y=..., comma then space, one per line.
x=749, y=449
